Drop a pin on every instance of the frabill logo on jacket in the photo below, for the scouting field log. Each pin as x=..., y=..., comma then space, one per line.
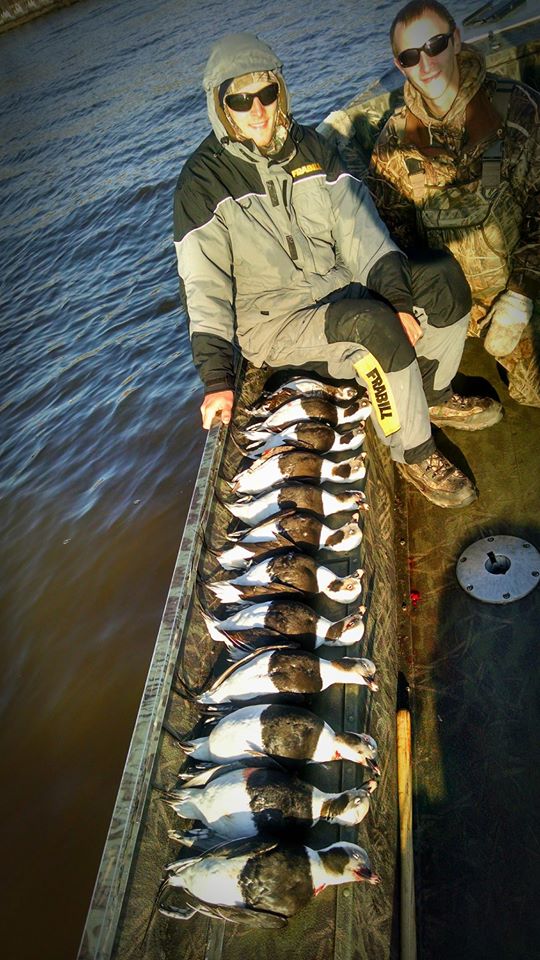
x=307, y=168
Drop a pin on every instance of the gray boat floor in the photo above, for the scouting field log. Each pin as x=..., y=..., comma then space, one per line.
x=475, y=677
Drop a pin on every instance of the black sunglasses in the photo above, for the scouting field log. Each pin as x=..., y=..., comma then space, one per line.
x=433, y=46
x=242, y=102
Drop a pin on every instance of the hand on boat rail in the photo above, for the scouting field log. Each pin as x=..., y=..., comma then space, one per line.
x=217, y=406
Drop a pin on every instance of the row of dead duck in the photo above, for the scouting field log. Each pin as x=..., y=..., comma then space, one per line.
x=245, y=790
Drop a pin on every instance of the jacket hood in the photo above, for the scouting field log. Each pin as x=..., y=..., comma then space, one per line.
x=235, y=55
x=472, y=72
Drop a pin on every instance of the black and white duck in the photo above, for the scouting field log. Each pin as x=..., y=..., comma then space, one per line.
x=291, y=572
x=285, y=618
x=307, y=434
x=306, y=387
x=287, y=733
x=287, y=529
x=261, y=883
x=282, y=670
x=289, y=463
x=241, y=800
x=315, y=408
x=296, y=496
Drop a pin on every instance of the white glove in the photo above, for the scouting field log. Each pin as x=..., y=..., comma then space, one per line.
x=509, y=316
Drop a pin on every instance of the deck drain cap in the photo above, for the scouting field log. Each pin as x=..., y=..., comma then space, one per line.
x=499, y=569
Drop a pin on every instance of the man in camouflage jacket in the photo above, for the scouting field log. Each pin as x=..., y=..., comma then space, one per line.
x=458, y=167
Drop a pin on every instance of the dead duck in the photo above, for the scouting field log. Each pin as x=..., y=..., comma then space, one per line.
x=289, y=734
x=288, y=528
x=238, y=800
x=291, y=572
x=282, y=670
x=288, y=463
x=306, y=387
x=307, y=434
x=261, y=883
x=285, y=618
x=315, y=408
x=296, y=496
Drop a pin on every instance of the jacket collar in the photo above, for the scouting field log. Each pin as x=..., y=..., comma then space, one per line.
x=247, y=151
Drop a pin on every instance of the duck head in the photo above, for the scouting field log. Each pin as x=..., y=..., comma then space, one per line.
x=345, y=589
x=358, y=496
x=350, y=807
x=347, y=631
x=358, y=747
x=350, y=470
x=361, y=669
x=345, y=862
x=344, y=538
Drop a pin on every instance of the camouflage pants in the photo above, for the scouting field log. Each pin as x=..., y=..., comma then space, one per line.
x=523, y=364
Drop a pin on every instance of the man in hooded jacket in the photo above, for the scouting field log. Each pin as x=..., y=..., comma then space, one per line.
x=458, y=168
x=280, y=249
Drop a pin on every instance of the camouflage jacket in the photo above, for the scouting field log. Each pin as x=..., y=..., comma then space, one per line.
x=426, y=179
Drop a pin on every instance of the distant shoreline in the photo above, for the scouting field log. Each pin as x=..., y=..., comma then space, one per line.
x=15, y=12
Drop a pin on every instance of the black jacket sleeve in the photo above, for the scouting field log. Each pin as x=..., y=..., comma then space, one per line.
x=214, y=360
x=390, y=277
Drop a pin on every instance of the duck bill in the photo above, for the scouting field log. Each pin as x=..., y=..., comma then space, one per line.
x=370, y=785
x=374, y=767
x=347, y=589
x=347, y=595
x=367, y=875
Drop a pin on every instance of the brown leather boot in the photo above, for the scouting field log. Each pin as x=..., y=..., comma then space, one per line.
x=440, y=481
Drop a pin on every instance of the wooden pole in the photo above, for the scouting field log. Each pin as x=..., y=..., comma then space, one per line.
x=404, y=771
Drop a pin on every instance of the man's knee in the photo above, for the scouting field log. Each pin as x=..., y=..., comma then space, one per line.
x=440, y=287
x=374, y=326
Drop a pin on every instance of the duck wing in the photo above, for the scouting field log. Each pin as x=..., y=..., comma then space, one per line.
x=272, y=401
x=219, y=770
x=245, y=915
x=310, y=435
x=278, y=880
x=259, y=549
x=303, y=408
x=202, y=779
x=263, y=529
x=224, y=850
x=277, y=586
x=291, y=618
x=240, y=848
x=301, y=529
x=238, y=481
x=296, y=571
x=241, y=663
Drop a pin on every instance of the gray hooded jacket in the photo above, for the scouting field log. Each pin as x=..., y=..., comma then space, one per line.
x=260, y=238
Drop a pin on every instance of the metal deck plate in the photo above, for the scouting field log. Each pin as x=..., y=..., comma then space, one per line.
x=499, y=569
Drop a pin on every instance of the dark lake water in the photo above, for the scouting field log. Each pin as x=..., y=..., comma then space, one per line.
x=101, y=104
